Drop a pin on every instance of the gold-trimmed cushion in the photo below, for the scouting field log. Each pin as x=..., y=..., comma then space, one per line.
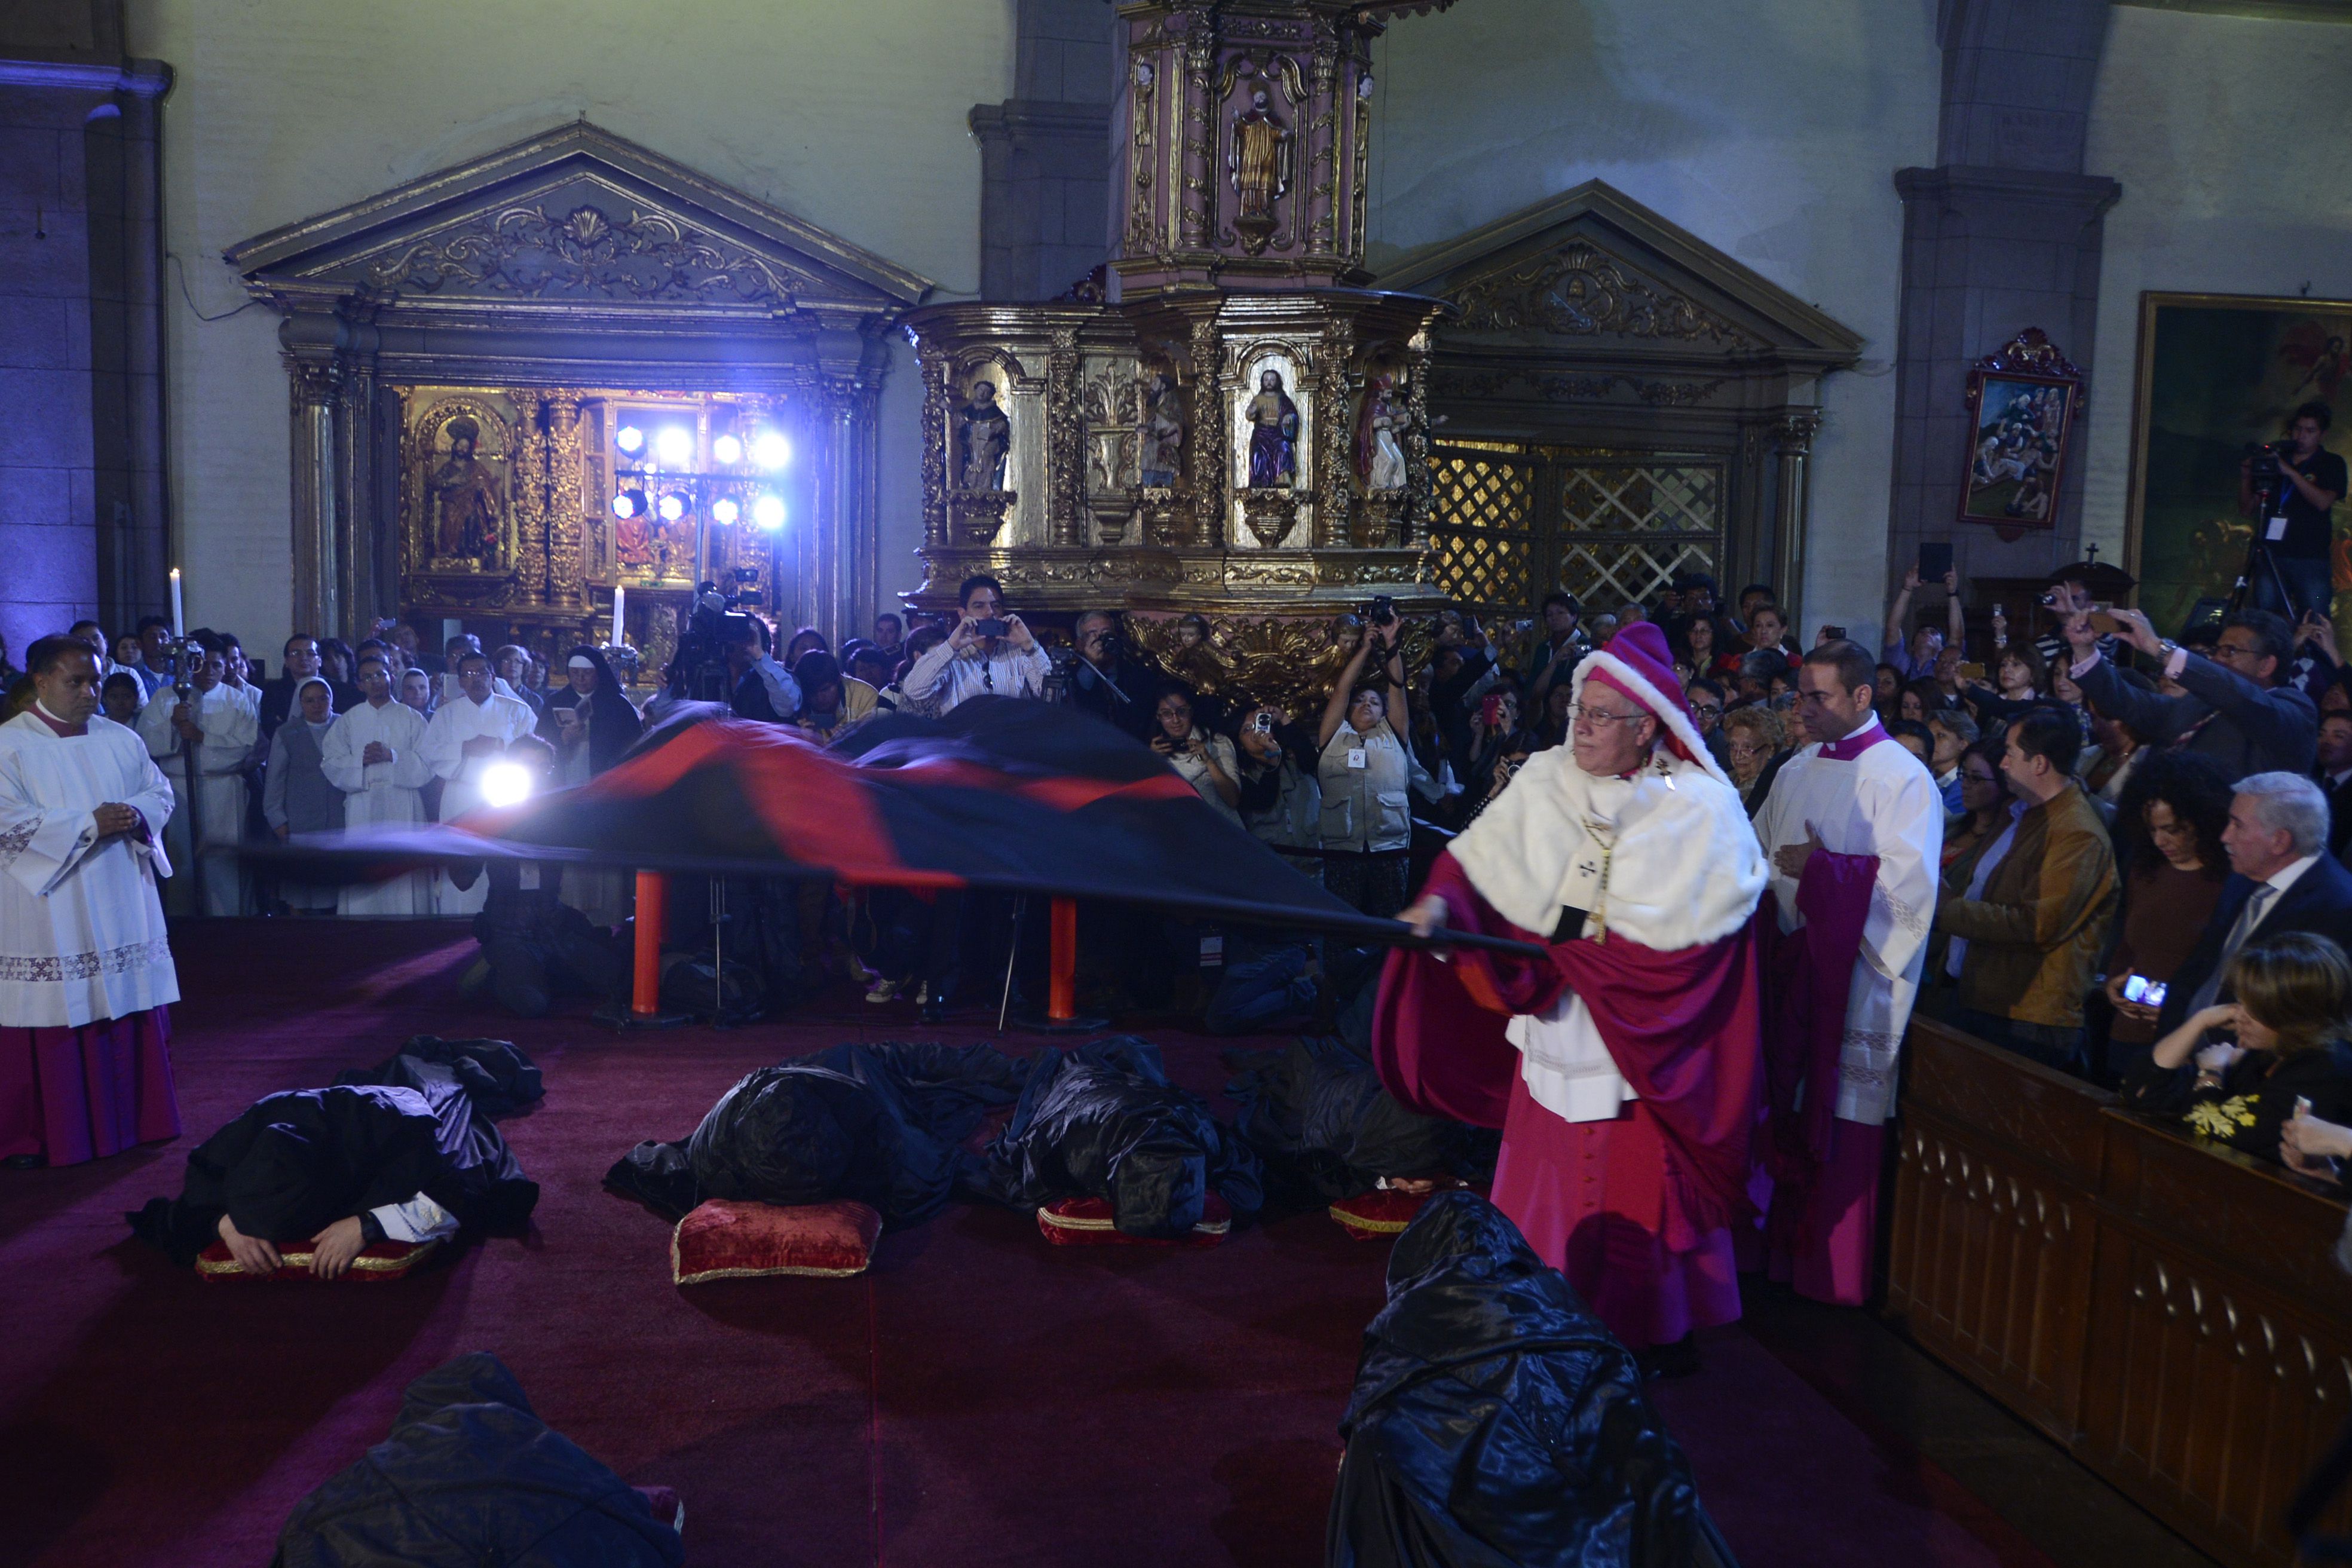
x=1383, y=1212
x=377, y=1265
x=1089, y=1222
x=727, y=1239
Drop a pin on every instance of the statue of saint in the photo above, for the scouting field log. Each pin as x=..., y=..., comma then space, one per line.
x=1273, y=434
x=1380, y=457
x=1161, y=440
x=984, y=437
x=466, y=510
x=1259, y=158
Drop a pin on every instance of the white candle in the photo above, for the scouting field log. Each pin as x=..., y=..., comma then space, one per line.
x=620, y=599
x=179, y=615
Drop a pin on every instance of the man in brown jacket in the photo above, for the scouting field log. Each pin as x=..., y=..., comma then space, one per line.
x=2035, y=919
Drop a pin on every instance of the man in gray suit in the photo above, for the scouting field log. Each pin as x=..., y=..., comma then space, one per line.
x=2235, y=711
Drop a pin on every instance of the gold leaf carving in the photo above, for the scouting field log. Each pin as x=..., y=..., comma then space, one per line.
x=1580, y=290
x=527, y=251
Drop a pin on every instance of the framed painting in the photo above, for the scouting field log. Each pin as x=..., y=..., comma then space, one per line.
x=2217, y=373
x=2021, y=402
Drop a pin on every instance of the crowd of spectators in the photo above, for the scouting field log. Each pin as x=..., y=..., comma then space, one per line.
x=2141, y=871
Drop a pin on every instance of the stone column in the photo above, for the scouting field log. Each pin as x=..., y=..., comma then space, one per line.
x=313, y=395
x=1044, y=219
x=528, y=465
x=1792, y=449
x=2003, y=234
x=566, y=546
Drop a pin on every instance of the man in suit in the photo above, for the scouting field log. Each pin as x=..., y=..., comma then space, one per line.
x=279, y=697
x=2334, y=774
x=2233, y=710
x=2283, y=880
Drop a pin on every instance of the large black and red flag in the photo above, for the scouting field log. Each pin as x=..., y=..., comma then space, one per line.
x=1001, y=794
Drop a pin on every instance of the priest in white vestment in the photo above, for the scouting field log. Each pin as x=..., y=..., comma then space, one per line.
x=222, y=722
x=1854, y=830
x=375, y=755
x=86, y=974
x=462, y=741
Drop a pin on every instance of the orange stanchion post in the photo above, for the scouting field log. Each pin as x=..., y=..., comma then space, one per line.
x=653, y=894
x=1062, y=994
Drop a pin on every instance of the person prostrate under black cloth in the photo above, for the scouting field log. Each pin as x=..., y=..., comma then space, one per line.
x=406, y=1153
x=2293, y=512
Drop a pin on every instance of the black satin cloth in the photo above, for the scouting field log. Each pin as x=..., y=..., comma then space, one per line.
x=1495, y=1421
x=469, y=1476
x=1103, y=1122
x=879, y=1124
x=1317, y=1116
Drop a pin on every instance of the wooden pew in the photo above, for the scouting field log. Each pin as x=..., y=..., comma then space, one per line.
x=2168, y=1311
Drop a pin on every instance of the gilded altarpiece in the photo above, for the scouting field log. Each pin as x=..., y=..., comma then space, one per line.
x=1242, y=433
x=460, y=352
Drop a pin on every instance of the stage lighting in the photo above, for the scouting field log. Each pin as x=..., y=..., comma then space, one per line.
x=505, y=784
x=674, y=447
x=768, y=511
x=727, y=451
x=771, y=450
x=626, y=504
x=672, y=506
x=724, y=510
x=629, y=440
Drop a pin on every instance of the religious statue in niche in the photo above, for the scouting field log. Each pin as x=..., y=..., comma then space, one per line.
x=1161, y=447
x=1274, y=435
x=984, y=440
x=633, y=541
x=465, y=512
x=1258, y=158
x=1380, y=455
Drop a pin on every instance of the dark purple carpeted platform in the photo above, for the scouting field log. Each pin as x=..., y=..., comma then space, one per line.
x=977, y=1398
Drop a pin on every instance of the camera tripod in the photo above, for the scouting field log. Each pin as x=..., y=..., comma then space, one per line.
x=2258, y=559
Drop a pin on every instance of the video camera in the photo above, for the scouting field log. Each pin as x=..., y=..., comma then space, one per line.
x=699, y=672
x=2265, y=460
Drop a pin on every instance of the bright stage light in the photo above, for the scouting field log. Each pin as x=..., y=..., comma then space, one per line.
x=768, y=511
x=629, y=440
x=724, y=510
x=505, y=784
x=771, y=450
x=626, y=504
x=674, y=447
x=672, y=506
x=727, y=451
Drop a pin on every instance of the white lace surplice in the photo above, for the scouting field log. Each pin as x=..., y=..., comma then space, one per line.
x=81, y=928
x=1883, y=803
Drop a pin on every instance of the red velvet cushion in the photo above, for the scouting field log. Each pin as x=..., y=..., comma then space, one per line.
x=386, y=1260
x=1378, y=1215
x=730, y=1240
x=1087, y=1222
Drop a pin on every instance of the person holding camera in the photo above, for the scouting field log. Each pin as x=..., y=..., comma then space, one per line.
x=1281, y=797
x=1365, y=771
x=2290, y=489
x=1105, y=681
x=2234, y=709
x=989, y=654
x=1203, y=760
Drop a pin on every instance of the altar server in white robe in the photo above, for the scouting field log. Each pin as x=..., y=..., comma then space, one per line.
x=1854, y=796
x=222, y=723
x=375, y=755
x=465, y=738
x=86, y=974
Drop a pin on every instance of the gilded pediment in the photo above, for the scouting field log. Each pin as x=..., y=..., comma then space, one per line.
x=1593, y=264
x=579, y=216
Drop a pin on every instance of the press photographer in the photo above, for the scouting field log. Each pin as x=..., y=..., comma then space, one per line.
x=1108, y=681
x=2289, y=488
x=989, y=653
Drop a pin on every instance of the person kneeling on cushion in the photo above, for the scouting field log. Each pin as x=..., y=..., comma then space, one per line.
x=343, y=1169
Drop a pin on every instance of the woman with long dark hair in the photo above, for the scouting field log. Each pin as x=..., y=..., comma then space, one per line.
x=2169, y=823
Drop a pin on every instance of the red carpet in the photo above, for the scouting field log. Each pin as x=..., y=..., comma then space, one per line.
x=978, y=1397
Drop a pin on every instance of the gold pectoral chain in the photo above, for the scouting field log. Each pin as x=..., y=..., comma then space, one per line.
x=1600, y=905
